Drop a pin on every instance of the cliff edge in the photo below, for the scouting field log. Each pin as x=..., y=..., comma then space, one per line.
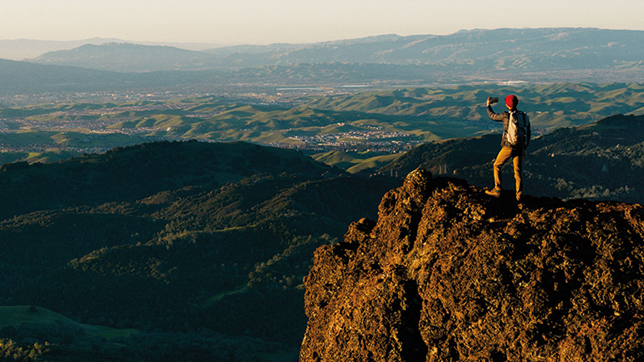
x=448, y=273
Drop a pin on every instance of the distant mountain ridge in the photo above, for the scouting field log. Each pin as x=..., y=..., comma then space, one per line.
x=127, y=57
x=501, y=49
x=20, y=49
x=499, y=45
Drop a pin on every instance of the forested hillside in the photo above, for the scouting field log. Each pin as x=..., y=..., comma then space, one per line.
x=175, y=249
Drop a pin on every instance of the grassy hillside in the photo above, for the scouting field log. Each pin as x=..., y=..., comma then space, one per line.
x=355, y=162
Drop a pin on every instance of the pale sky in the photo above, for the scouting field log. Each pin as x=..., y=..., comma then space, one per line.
x=230, y=22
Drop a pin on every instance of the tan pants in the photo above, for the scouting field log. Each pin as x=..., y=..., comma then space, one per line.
x=517, y=160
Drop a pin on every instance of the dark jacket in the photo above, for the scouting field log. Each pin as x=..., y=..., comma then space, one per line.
x=505, y=118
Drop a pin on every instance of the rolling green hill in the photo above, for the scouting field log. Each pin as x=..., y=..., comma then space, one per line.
x=549, y=106
x=355, y=162
x=380, y=122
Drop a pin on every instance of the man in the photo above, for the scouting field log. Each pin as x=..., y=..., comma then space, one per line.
x=515, y=140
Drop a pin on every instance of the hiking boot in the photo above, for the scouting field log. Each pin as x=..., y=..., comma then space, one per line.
x=495, y=192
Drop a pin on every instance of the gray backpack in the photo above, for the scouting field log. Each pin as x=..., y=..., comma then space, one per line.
x=518, y=129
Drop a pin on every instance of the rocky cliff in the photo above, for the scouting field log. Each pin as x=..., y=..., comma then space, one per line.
x=447, y=273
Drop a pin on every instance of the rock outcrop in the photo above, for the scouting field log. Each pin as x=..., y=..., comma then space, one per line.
x=448, y=273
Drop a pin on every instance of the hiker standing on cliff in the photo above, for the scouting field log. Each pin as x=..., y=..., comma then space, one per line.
x=516, y=137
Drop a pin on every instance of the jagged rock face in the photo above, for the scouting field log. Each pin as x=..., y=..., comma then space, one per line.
x=448, y=273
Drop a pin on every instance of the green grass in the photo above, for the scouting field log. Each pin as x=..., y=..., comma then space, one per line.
x=354, y=162
x=373, y=163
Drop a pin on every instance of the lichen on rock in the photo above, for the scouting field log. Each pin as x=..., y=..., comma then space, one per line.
x=448, y=273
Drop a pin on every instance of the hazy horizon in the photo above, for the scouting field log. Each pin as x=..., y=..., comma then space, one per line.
x=258, y=22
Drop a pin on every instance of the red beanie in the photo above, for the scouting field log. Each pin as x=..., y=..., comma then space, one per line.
x=512, y=101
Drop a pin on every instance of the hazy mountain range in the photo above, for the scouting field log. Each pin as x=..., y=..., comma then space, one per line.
x=21, y=49
x=560, y=48
x=536, y=55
